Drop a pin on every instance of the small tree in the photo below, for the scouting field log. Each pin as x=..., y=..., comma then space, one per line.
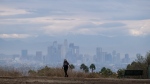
x=106, y=72
x=103, y=69
x=120, y=73
x=141, y=63
x=72, y=67
x=84, y=67
x=92, y=67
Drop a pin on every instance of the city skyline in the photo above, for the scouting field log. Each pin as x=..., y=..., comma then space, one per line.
x=57, y=52
x=32, y=51
x=64, y=49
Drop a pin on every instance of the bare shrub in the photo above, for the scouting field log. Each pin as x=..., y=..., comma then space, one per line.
x=9, y=72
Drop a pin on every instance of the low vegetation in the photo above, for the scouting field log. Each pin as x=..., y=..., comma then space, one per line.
x=141, y=63
x=58, y=72
x=4, y=72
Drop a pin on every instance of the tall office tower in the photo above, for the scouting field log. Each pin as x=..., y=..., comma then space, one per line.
x=24, y=53
x=49, y=51
x=103, y=56
x=127, y=59
x=39, y=56
x=108, y=58
x=49, y=54
x=116, y=58
x=98, y=50
x=60, y=52
x=72, y=53
x=99, y=54
x=127, y=56
x=64, y=49
x=54, y=53
x=114, y=55
x=71, y=48
x=114, y=52
x=76, y=50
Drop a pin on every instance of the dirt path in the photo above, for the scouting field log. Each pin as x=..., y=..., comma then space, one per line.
x=49, y=80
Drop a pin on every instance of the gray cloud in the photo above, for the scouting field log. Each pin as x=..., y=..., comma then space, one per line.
x=21, y=29
x=113, y=24
x=105, y=9
x=104, y=25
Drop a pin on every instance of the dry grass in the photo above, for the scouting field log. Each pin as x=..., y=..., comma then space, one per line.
x=46, y=71
x=59, y=72
x=55, y=72
x=9, y=72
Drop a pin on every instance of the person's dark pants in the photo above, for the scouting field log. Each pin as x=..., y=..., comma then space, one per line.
x=65, y=70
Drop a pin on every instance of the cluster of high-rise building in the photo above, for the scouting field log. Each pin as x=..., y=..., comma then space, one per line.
x=105, y=57
x=57, y=52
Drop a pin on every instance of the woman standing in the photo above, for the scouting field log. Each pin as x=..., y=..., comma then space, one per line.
x=65, y=66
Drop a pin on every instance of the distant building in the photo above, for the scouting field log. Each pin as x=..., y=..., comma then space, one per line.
x=24, y=53
x=99, y=54
x=39, y=55
x=64, y=49
x=116, y=58
x=54, y=53
x=76, y=50
x=60, y=51
x=108, y=58
x=73, y=52
x=126, y=58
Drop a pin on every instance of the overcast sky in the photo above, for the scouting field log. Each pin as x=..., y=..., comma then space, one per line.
x=121, y=25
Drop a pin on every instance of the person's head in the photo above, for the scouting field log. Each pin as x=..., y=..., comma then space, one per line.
x=65, y=60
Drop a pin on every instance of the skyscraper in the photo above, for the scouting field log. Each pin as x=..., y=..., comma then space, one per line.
x=24, y=53
x=54, y=53
x=126, y=58
x=39, y=56
x=64, y=49
x=76, y=50
x=108, y=58
x=114, y=55
x=73, y=52
x=99, y=54
x=98, y=51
